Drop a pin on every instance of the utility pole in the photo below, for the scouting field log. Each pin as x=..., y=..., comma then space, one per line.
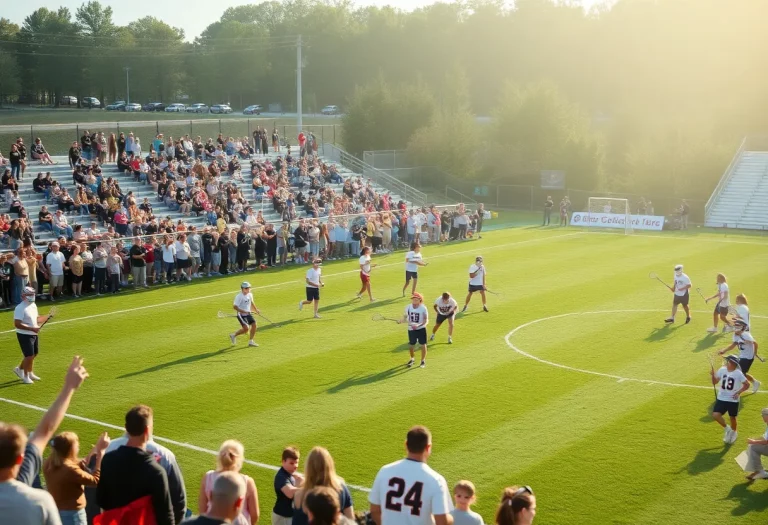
x=299, y=122
x=127, y=86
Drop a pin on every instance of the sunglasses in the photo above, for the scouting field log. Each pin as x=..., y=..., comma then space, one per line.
x=523, y=490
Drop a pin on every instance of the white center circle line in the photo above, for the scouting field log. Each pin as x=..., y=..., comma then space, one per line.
x=618, y=378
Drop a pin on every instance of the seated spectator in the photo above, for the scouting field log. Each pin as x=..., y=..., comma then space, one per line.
x=517, y=507
x=320, y=471
x=66, y=476
x=230, y=460
x=74, y=154
x=39, y=153
x=225, y=502
x=131, y=475
x=61, y=226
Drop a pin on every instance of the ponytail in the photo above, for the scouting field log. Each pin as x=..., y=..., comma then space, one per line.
x=513, y=500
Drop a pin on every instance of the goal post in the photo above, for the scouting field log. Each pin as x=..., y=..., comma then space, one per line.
x=608, y=213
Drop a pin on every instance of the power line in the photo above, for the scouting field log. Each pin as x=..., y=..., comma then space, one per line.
x=160, y=40
x=127, y=54
x=249, y=41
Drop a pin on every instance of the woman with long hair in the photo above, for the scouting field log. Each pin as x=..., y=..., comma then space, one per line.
x=320, y=471
x=230, y=459
x=517, y=507
x=66, y=476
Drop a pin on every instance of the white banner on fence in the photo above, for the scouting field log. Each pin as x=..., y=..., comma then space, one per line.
x=616, y=220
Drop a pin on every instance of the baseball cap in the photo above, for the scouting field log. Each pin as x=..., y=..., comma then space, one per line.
x=733, y=359
x=418, y=296
x=245, y=284
x=679, y=268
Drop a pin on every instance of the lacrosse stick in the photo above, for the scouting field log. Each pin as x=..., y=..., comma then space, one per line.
x=654, y=275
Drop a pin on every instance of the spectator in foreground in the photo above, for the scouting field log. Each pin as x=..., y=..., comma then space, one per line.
x=66, y=477
x=230, y=461
x=226, y=501
x=130, y=476
x=464, y=497
x=287, y=482
x=517, y=507
x=322, y=508
x=320, y=471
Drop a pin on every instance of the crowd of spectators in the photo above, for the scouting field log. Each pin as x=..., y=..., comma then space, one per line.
x=132, y=479
x=109, y=238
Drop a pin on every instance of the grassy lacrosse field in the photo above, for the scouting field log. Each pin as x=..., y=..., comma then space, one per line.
x=596, y=448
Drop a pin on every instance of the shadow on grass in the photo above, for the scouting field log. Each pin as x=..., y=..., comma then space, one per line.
x=706, y=460
x=183, y=361
x=749, y=501
x=382, y=302
x=11, y=383
x=332, y=307
x=659, y=334
x=361, y=380
x=705, y=343
x=265, y=325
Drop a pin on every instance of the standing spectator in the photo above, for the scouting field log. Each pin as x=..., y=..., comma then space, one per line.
x=76, y=269
x=112, y=148
x=685, y=209
x=100, y=256
x=271, y=237
x=114, y=267
x=517, y=507
x=131, y=473
x=243, y=240
x=300, y=241
x=408, y=474
x=320, y=471
x=313, y=235
x=195, y=248
x=55, y=262
x=230, y=461
x=20, y=274
x=138, y=255
x=183, y=261
x=464, y=496
x=548, y=205
x=169, y=259
x=225, y=502
x=287, y=482
x=14, y=156
x=66, y=476
x=282, y=242
x=121, y=142
x=563, y=212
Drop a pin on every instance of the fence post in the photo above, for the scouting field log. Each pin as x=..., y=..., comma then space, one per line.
x=118, y=129
x=77, y=132
x=191, y=130
x=157, y=128
x=31, y=139
x=334, y=133
x=531, y=198
x=219, y=125
x=249, y=130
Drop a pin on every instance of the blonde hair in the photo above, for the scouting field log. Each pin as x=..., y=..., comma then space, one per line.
x=231, y=455
x=741, y=299
x=721, y=278
x=319, y=471
x=465, y=486
x=62, y=448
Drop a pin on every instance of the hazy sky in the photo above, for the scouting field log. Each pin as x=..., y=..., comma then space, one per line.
x=191, y=15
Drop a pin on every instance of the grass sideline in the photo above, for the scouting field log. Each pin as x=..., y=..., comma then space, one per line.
x=497, y=417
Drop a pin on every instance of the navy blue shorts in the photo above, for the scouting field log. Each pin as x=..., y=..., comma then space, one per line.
x=417, y=336
x=246, y=320
x=442, y=318
x=28, y=343
x=681, y=299
x=476, y=288
x=726, y=407
x=721, y=310
x=745, y=364
x=313, y=294
x=411, y=275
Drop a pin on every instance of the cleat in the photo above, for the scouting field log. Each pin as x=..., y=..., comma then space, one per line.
x=18, y=373
x=432, y=337
x=450, y=340
x=712, y=329
x=317, y=316
x=34, y=377
x=465, y=308
x=232, y=338
x=26, y=380
x=423, y=364
x=755, y=386
x=727, y=434
x=409, y=364
x=485, y=308
x=253, y=343
x=734, y=435
x=301, y=305
x=669, y=320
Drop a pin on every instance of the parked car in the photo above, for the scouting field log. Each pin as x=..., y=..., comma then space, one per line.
x=117, y=105
x=175, y=108
x=153, y=106
x=133, y=106
x=256, y=109
x=330, y=110
x=91, y=102
x=198, y=108
x=221, y=108
x=68, y=100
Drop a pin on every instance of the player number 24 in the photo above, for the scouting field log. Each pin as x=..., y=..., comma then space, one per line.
x=412, y=497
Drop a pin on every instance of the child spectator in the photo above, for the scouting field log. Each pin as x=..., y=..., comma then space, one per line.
x=464, y=497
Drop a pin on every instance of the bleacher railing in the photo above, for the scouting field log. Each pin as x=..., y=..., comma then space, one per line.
x=386, y=181
x=724, y=179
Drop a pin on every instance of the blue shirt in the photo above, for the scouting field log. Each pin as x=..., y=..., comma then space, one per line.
x=283, y=506
x=345, y=501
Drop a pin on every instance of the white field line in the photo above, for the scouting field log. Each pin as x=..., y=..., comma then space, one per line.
x=275, y=285
x=158, y=438
x=619, y=379
x=681, y=238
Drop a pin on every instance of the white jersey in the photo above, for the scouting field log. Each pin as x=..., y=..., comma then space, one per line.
x=27, y=314
x=681, y=282
x=243, y=302
x=478, y=279
x=746, y=344
x=365, y=264
x=409, y=492
x=412, y=256
x=742, y=311
x=722, y=290
x=416, y=315
x=313, y=276
x=446, y=307
x=730, y=383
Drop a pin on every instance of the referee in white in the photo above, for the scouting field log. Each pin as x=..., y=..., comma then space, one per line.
x=243, y=305
x=28, y=323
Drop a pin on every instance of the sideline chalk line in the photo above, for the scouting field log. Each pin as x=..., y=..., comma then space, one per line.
x=619, y=379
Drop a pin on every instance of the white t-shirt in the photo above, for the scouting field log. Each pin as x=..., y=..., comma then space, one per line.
x=743, y=312
x=27, y=314
x=365, y=263
x=410, y=493
x=243, y=301
x=169, y=251
x=730, y=382
x=746, y=344
x=313, y=276
x=681, y=282
x=182, y=250
x=477, y=280
x=725, y=301
x=417, y=315
x=56, y=261
x=409, y=266
x=446, y=307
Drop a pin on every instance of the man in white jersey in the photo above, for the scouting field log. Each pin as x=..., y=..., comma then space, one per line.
x=27, y=323
x=409, y=492
x=477, y=274
x=680, y=289
x=314, y=283
x=747, y=350
x=365, y=273
x=721, y=308
x=243, y=305
x=731, y=384
x=417, y=317
x=413, y=260
x=445, y=306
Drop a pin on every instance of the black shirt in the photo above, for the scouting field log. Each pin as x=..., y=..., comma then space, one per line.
x=301, y=237
x=138, y=249
x=15, y=158
x=284, y=505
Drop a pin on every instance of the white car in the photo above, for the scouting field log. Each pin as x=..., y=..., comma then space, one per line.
x=330, y=110
x=175, y=108
x=133, y=106
x=221, y=108
x=198, y=108
x=91, y=102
